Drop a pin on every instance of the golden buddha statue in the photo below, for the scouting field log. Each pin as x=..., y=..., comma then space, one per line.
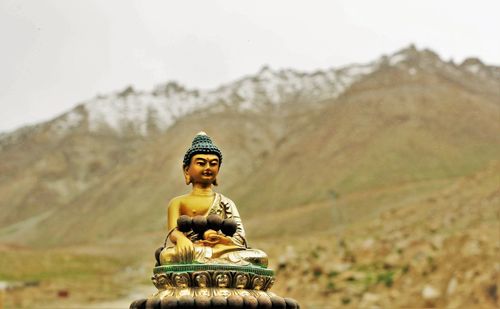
x=201, y=166
x=205, y=261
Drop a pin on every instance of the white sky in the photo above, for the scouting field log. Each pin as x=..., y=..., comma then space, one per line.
x=55, y=54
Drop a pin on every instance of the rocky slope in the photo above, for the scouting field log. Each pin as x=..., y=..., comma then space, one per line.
x=438, y=251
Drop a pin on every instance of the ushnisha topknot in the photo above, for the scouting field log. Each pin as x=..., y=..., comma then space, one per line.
x=202, y=143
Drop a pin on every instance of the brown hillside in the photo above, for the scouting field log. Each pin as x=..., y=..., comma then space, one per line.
x=372, y=189
x=391, y=131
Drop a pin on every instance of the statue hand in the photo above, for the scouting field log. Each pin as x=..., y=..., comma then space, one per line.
x=212, y=238
x=210, y=235
x=185, y=249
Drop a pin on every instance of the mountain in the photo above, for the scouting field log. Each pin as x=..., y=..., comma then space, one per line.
x=110, y=165
x=351, y=167
x=131, y=112
x=58, y=160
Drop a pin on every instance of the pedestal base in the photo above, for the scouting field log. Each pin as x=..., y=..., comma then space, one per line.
x=213, y=286
x=264, y=301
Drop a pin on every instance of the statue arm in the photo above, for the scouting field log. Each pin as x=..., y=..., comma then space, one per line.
x=183, y=245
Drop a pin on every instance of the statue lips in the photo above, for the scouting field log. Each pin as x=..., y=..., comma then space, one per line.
x=207, y=175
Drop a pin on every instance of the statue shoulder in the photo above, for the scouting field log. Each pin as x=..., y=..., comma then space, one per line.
x=226, y=200
x=176, y=201
x=229, y=207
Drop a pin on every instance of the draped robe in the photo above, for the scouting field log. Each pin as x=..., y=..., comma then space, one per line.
x=237, y=253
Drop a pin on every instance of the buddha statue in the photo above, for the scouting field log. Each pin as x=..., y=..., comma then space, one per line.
x=203, y=207
x=206, y=261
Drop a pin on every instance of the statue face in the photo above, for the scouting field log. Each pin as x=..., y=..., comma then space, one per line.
x=258, y=283
x=222, y=280
x=201, y=280
x=203, y=168
x=181, y=281
x=241, y=281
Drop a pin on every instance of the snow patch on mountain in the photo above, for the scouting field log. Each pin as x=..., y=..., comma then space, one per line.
x=68, y=121
x=397, y=58
x=118, y=112
x=160, y=108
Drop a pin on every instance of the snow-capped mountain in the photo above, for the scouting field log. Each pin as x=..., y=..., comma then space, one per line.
x=141, y=112
x=399, y=118
x=166, y=103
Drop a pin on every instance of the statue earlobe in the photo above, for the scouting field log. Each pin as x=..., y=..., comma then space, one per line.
x=187, y=178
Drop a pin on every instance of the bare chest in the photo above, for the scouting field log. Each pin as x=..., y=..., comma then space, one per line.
x=195, y=206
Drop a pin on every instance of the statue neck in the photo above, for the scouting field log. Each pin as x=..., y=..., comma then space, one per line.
x=202, y=190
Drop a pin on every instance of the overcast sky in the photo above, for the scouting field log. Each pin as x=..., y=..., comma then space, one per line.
x=55, y=54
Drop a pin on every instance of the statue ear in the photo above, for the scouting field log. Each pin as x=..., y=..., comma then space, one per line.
x=187, y=178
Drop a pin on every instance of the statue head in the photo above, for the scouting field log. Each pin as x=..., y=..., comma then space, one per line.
x=222, y=280
x=241, y=281
x=201, y=280
x=202, y=153
x=181, y=280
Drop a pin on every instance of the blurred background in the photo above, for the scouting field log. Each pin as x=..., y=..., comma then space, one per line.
x=361, y=144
